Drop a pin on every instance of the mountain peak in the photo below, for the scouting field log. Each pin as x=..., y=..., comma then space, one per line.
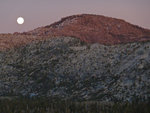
x=95, y=29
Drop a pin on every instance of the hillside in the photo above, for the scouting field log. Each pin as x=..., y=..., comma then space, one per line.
x=68, y=68
x=80, y=57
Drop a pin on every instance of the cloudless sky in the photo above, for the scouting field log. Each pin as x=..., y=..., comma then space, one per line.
x=39, y=13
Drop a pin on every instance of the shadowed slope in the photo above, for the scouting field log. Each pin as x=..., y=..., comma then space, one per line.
x=67, y=68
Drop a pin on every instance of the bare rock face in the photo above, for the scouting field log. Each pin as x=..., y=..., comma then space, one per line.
x=95, y=28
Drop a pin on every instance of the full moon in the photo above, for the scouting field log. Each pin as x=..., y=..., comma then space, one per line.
x=20, y=20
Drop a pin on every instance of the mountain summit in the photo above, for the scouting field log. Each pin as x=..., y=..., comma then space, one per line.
x=95, y=29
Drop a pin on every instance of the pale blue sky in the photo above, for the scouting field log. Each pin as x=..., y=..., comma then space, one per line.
x=39, y=13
